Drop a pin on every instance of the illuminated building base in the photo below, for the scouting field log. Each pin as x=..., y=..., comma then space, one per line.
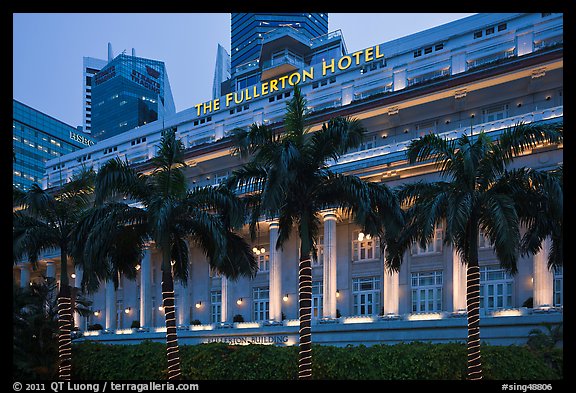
x=495, y=330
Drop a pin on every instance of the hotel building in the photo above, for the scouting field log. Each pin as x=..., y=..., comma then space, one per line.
x=486, y=72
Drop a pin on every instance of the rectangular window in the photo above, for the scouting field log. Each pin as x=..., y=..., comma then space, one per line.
x=263, y=262
x=215, y=306
x=502, y=26
x=477, y=34
x=490, y=30
x=319, y=260
x=364, y=248
x=439, y=47
x=558, y=286
x=317, y=299
x=495, y=288
x=427, y=291
x=261, y=301
x=494, y=113
x=366, y=295
x=427, y=50
x=418, y=53
x=435, y=246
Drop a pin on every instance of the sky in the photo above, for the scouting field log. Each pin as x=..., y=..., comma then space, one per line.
x=48, y=49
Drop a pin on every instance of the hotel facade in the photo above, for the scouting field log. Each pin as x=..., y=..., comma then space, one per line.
x=483, y=73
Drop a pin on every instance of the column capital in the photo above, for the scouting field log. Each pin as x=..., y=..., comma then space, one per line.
x=329, y=214
x=24, y=265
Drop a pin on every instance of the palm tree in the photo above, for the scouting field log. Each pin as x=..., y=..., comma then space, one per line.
x=481, y=193
x=170, y=214
x=35, y=330
x=44, y=220
x=288, y=177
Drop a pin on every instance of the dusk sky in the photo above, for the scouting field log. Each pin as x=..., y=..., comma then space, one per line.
x=48, y=49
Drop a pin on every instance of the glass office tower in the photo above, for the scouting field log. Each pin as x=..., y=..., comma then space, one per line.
x=266, y=45
x=129, y=92
x=37, y=138
x=247, y=30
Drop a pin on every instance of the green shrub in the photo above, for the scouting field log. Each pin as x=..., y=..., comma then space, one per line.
x=219, y=361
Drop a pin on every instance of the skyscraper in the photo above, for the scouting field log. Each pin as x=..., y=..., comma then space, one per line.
x=129, y=92
x=91, y=66
x=267, y=45
x=248, y=29
x=221, y=71
x=37, y=138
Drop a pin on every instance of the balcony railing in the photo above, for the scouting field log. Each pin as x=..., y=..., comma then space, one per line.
x=390, y=151
x=429, y=76
x=491, y=59
x=280, y=60
x=251, y=65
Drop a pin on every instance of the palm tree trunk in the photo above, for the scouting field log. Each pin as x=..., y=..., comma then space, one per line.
x=64, y=330
x=172, y=350
x=473, y=308
x=305, y=315
x=305, y=306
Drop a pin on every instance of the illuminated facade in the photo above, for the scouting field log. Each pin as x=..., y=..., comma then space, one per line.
x=485, y=73
x=38, y=138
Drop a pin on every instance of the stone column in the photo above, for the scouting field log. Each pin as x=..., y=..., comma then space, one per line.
x=329, y=268
x=146, y=289
x=275, y=275
x=391, y=284
x=78, y=319
x=182, y=308
x=24, y=275
x=224, y=301
x=543, y=290
x=50, y=270
x=110, y=305
x=458, y=283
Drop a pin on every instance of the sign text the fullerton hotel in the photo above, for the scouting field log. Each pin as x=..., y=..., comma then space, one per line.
x=273, y=85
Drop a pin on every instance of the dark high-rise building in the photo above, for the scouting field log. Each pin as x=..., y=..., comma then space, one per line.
x=37, y=138
x=129, y=92
x=248, y=29
x=267, y=45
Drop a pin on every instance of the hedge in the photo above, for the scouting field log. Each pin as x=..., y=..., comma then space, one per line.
x=219, y=361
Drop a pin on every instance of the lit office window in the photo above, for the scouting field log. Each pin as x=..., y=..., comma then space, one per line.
x=366, y=295
x=364, y=248
x=317, y=298
x=427, y=291
x=558, y=286
x=495, y=288
x=435, y=246
x=261, y=300
x=215, y=306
